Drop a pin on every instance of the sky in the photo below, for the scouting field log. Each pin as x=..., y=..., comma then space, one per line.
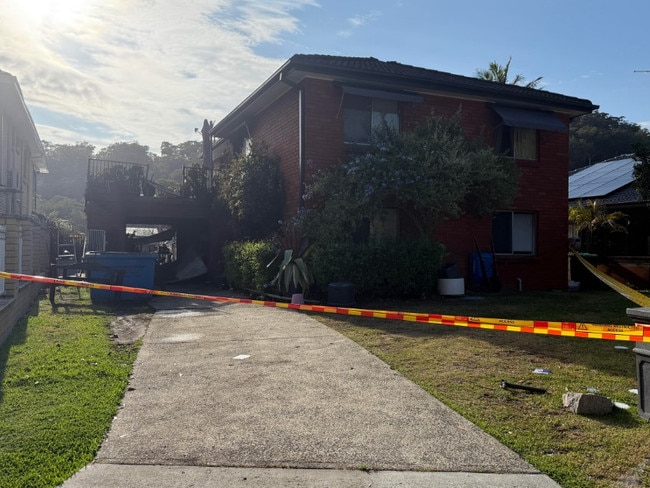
x=150, y=71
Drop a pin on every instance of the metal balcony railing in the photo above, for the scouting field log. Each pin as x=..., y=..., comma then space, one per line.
x=117, y=177
x=197, y=181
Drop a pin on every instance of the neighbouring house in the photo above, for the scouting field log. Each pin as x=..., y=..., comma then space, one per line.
x=317, y=110
x=24, y=236
x=624, y=255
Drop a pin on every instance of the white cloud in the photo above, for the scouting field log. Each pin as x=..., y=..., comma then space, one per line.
x=359, y=20
x=146, y=70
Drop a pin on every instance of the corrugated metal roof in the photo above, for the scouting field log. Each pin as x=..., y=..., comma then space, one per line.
x=601, y=179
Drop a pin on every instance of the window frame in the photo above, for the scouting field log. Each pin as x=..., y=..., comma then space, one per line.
x=508, y=138
x=521, y=232
x=369, y=107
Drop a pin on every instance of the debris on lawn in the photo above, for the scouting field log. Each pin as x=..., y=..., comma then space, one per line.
x=541, y=371
x=529, y=389
x=587, y=403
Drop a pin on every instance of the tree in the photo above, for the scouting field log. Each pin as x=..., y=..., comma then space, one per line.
x=169, y=165
x=642, y=170
x=63, y=209
x=128, y=152
x=499, y=74
x=67, y=165
x=252, y=188
x=593, y=221
x=430, y=174
x=599, y=136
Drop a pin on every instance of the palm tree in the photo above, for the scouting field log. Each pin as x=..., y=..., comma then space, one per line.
x=593, y=218
x=499, y=74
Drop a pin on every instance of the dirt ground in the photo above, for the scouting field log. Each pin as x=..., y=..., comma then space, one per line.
x=127, y=329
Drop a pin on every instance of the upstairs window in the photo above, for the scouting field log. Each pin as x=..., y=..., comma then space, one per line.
x=514, y=233
x=362, y=115
x=518, y=142
x=517, y=135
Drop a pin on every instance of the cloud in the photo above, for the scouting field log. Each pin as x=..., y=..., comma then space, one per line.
x=356, y=22
x=360, y=20
x=146, y=70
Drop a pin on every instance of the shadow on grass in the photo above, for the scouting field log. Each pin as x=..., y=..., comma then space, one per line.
x=18, y=336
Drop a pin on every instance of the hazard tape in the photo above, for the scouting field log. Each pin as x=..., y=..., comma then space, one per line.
x=635, y=333
x=626, y=291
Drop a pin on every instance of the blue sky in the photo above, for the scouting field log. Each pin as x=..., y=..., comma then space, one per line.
x=103, y=71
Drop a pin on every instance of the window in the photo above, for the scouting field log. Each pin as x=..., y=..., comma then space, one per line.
x=386, y=226
x=517, y=134
x=361, y=115
x=247, y=146
x=518, y=142
x=514, y=233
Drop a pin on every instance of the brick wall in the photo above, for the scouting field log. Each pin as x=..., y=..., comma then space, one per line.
x=278, y=128
x=323, y=125
x=544, y=191
x=543, y=184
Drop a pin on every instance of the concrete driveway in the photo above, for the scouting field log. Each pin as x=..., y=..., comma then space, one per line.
x=248, y=396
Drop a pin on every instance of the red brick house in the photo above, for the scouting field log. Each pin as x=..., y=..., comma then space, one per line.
x=316, y=109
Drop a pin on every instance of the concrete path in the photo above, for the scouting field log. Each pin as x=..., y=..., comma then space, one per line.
x=246, y=396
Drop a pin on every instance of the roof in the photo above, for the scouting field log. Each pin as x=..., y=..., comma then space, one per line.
x=609, y=181
x=424, y=78
x=376, y=74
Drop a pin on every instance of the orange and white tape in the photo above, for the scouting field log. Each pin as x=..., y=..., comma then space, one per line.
x=636, y=333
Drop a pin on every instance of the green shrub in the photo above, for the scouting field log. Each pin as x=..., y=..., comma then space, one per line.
x=245, y=264
x=380, y=268
x=252, y=188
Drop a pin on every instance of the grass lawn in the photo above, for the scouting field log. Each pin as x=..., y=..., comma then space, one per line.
x=61, y=381
x=464, y=368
